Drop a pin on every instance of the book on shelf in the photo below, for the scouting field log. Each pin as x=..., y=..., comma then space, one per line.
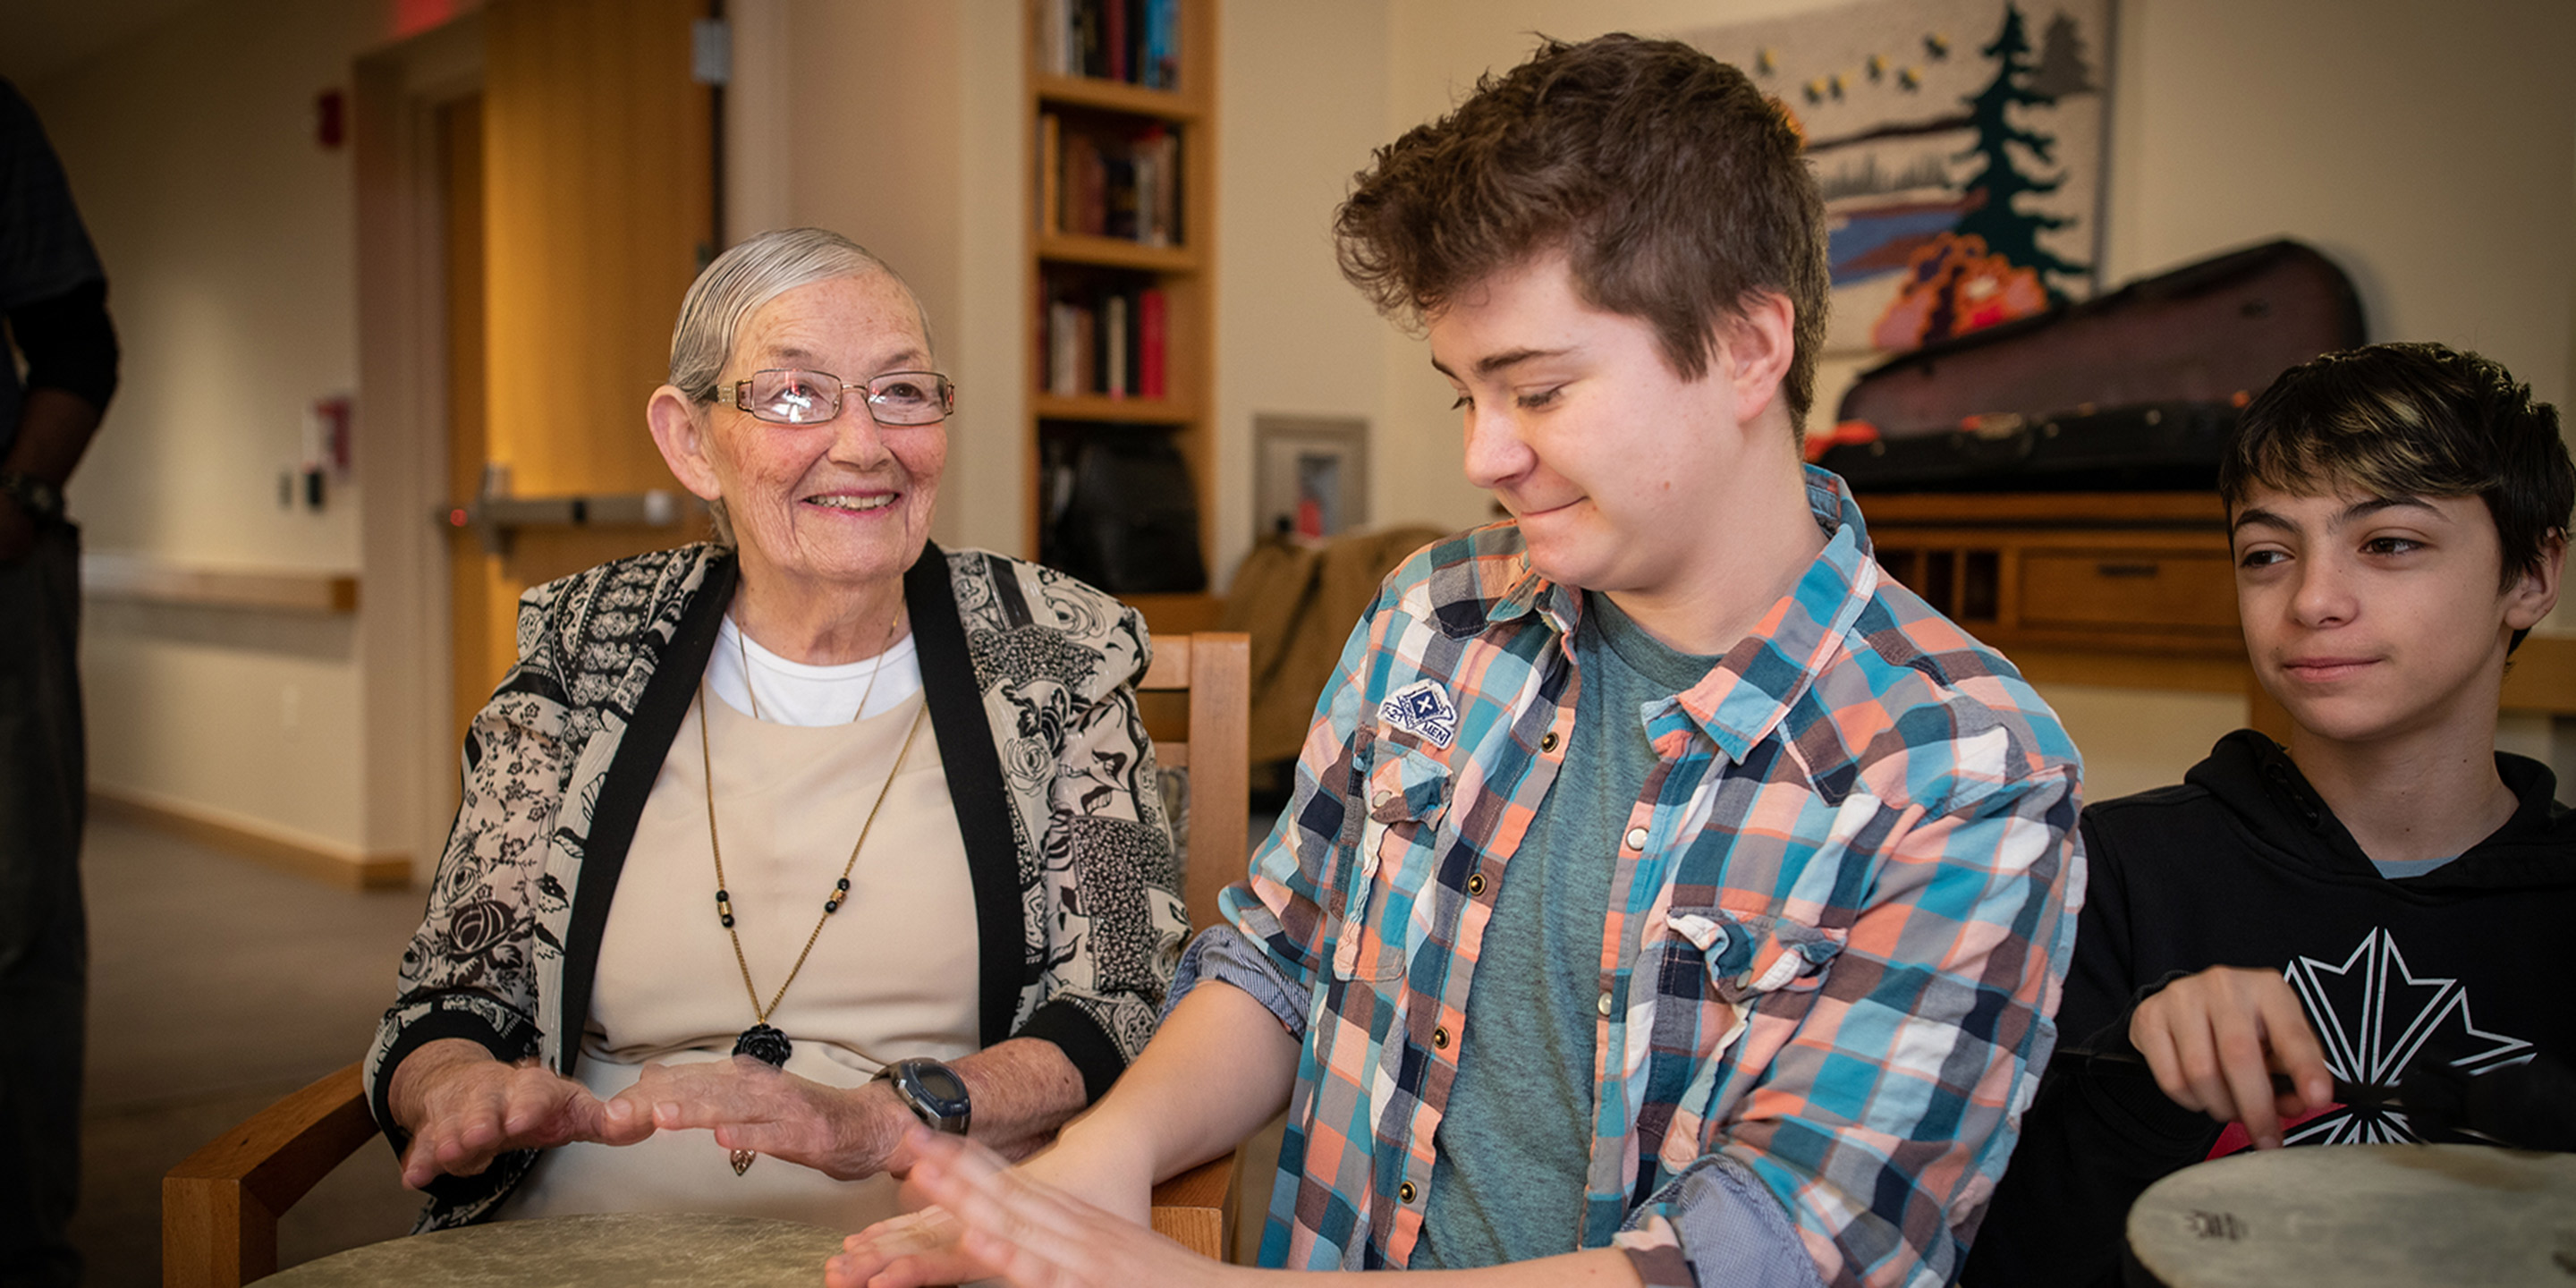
x=1113, y=337
x=1050, y=172
x=1124, y=184
x=1137, y=42
x=1064, y=350
x=1112, y=343
x=1153, y=330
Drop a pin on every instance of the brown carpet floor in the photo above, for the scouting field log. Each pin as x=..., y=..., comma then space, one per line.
x=217, y=986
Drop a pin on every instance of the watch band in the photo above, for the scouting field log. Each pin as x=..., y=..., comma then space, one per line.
x=933, y=1092
x=42, y=501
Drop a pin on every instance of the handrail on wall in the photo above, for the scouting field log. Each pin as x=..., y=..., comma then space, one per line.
x=162, y=581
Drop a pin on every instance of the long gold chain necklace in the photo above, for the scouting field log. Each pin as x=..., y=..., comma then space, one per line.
x=762, y=1042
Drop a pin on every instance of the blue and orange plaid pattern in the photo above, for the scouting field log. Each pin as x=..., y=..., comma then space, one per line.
x=1836, y=935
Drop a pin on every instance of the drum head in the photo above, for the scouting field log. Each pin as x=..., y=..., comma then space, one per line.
x=2361, y=1216
x=624, y=1248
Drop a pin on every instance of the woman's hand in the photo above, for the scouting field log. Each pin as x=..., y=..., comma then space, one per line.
x=463, y=1109
x=844, y=1134
x=2215, y=1039
x=996, y=1220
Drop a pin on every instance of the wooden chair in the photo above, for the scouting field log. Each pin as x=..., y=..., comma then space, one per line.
x=219, y=1207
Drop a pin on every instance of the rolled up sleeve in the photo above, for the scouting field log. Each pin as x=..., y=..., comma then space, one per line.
x=1879, y=1130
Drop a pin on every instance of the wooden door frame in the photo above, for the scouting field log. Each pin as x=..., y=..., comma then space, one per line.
x=401, y=466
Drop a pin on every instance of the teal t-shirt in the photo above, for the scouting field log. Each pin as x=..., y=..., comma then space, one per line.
x=1507, y=1184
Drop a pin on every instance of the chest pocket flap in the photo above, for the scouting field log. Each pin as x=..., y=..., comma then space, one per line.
x=1406, y=796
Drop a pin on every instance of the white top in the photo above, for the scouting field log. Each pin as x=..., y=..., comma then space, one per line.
x=893, y=974
x=794, y=693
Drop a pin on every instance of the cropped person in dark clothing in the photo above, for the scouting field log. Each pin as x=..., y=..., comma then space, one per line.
x=2386, y=893
x=54, y=298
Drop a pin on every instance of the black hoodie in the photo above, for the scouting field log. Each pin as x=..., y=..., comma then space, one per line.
x=2243, y=865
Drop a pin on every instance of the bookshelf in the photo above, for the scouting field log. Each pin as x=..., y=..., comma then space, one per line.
x=1120, y=310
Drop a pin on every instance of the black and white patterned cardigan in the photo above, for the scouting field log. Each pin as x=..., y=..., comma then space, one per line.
x=1028, y=676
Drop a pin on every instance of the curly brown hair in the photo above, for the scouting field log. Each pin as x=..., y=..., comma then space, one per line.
x=1676, y=189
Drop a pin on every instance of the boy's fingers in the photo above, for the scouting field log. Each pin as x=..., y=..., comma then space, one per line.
x=2295, y=1049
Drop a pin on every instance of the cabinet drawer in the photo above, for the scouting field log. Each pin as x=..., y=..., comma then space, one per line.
x=2160, y=591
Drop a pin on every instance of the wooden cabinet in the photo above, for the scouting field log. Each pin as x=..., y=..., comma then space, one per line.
x=2131, y=589
x=1120, y=315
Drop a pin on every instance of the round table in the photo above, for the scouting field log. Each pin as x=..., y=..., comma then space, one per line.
x=2362, y=1216
x=623, y=1248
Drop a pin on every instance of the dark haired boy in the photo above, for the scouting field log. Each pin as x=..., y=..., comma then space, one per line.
x=1667, y=896
x=2386, y=891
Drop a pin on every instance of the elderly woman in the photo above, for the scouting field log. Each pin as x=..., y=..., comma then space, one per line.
x=803, y=835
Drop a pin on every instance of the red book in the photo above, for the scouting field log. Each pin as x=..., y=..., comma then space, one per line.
x=1116, y=38
x=1152, y=327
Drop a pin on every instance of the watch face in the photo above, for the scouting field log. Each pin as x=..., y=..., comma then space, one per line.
x=938, y=1083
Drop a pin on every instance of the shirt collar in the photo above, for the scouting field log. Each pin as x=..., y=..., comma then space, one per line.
x=1753, y=687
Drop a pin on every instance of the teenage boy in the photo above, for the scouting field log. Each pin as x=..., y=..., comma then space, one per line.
x=1667, y=896
x=2388, y=890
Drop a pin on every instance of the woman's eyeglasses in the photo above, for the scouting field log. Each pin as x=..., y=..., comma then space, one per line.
x=791, y=397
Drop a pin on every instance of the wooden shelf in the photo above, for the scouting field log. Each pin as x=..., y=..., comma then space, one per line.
x=1115, y=96
x=1114, y=252
x=2050, y=509
x=1168, y=615
x=2541, y=676
x=1169, y=290
x=1092, y=407
x=157, y=581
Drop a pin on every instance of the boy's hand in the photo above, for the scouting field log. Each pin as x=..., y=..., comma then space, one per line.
x=997, y=1220
x=2215, y=1039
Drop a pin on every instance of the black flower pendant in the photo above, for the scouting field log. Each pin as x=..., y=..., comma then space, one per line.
x=765, y=1044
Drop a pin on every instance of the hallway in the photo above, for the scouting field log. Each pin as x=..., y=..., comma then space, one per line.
x=217, y=986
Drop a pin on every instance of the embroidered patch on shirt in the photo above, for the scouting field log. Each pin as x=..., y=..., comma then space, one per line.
x=1422, y=709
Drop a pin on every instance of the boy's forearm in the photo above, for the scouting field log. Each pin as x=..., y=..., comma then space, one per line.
x=1218, y=1069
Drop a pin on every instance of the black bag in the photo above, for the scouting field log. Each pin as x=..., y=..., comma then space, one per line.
x=2137, y=390
x=1128, y=519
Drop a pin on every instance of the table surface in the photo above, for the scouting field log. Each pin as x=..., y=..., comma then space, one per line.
x=626, y=1248
x=2362, y=1216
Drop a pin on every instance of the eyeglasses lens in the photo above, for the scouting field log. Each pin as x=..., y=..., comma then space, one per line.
x=792, y=397
x=909, y=398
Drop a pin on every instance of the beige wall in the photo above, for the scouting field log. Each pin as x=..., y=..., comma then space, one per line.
x=229, y=240
x=1302, y=96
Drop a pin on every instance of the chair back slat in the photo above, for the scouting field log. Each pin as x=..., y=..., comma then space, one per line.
x=1215, y=669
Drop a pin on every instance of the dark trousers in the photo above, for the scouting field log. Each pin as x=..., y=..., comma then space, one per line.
x=44, y=941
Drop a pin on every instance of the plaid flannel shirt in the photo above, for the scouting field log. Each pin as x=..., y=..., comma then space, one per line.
x=1838, y=924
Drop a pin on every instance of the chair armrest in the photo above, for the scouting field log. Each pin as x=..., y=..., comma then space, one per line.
x=1196, y=1208
x=219, y=1206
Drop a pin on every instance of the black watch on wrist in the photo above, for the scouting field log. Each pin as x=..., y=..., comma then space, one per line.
x=42, y=501
x=932, y=1091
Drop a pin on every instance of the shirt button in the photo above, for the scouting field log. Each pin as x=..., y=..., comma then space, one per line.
x=1636, y=838
x=1475, y=883
x=1547, y=741
x=1382, y=800
x=1603, y=1005
x=1440, y=1038
x=1404, y=1193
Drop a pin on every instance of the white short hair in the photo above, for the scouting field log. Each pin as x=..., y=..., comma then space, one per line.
x=755, y=271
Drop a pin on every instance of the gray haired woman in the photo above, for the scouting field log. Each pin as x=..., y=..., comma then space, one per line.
x=795, y=837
